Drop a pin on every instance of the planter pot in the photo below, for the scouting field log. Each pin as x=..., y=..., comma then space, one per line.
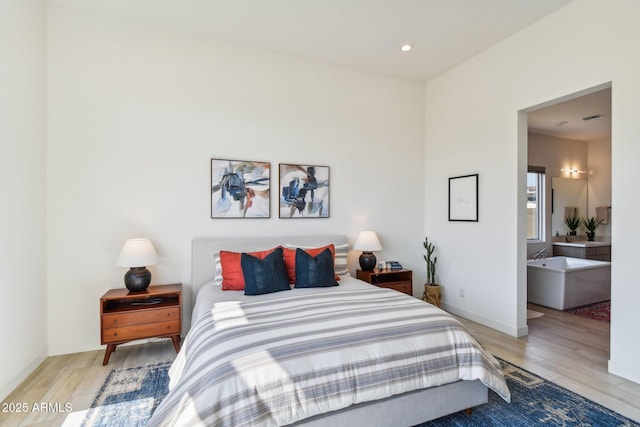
x=432, y=294
x=591, y=235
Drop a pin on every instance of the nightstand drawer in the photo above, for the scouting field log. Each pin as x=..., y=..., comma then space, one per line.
x=398, y=286
x=399, y=280
x=135, y=332
x=140, y=317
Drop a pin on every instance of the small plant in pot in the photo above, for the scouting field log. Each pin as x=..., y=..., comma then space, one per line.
x=591, y=224
x=431, y=288
x=573, y=224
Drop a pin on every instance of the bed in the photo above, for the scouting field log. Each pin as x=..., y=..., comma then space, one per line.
x=351, y=354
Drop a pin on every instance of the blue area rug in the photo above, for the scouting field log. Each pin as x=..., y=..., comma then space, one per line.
x=130, y=395
x=534, y=402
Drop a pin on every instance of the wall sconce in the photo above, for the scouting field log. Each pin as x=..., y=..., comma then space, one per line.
x=572, y=171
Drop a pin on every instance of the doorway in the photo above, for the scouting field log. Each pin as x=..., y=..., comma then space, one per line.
x=570, y=139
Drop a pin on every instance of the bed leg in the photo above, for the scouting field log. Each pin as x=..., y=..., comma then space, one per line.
x=468, y=411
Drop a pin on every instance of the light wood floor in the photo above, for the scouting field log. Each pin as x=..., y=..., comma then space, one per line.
x=570, y=351
x=76, y=379
x=563, y=348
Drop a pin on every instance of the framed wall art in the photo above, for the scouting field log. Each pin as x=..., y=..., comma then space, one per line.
x=240, y=189
x=304, y=191
x=463, y=198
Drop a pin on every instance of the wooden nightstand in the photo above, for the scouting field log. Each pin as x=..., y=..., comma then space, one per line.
x=400, y=280
x=127, y=316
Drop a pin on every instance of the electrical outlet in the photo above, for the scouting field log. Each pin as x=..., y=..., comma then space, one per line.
x=461, y=293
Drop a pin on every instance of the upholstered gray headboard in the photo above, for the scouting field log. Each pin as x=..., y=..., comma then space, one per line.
x=204, y=249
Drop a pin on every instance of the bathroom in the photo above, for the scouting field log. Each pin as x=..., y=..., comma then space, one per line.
x=569, y=157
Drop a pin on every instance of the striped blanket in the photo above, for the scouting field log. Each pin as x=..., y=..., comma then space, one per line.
x=277, y=361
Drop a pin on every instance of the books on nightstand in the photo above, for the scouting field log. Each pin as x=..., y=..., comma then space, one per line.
x=395, y=265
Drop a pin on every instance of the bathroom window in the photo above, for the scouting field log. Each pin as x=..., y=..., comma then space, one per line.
x=535, y=203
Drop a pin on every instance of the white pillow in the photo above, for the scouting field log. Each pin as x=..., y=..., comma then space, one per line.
x=217, y=279
x=341, y=259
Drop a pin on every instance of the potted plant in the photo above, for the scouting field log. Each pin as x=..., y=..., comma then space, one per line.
x=431, y=293
x=591, y=224
x=573, y=224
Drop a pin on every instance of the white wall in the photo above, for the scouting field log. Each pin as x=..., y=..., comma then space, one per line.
x=599, y=157
x=473, y=125
x=136, y=113
x=22, y=186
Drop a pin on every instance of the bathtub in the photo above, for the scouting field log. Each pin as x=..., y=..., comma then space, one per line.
x=564, y=282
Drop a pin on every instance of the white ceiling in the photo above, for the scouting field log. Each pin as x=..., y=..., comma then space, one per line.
x=565, y=119
x=366, y=34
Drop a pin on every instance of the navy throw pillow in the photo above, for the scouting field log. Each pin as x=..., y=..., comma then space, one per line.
x=264, y=276
x=314, y=272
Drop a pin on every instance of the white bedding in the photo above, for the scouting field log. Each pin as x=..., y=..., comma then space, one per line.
x=212, y=291
x=279, y=358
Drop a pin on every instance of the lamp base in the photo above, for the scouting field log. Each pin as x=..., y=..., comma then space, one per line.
x=137, y=279
x=367, y=261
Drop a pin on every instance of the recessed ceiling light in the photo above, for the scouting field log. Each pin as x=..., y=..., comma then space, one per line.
x=406, y=47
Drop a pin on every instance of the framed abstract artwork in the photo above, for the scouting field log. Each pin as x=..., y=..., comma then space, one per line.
x=463, y=198
x=240, y=189
x=304, y=191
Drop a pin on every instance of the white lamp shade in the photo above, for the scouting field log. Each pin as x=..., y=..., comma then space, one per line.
x=367, y=241
x=137, y=253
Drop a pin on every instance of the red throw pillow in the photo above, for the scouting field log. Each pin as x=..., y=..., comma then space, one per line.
x=232, y=277
x=290, y=259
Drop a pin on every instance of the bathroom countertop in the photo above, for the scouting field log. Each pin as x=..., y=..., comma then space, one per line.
x=583, y=244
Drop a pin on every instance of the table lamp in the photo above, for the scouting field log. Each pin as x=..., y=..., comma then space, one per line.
x=137, y=254
x=367, y=242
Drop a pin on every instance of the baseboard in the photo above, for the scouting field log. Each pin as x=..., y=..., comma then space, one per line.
x=18, y=378
x=630, y=372
x=491, y=323
x=82, y=346
x=73, y=347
